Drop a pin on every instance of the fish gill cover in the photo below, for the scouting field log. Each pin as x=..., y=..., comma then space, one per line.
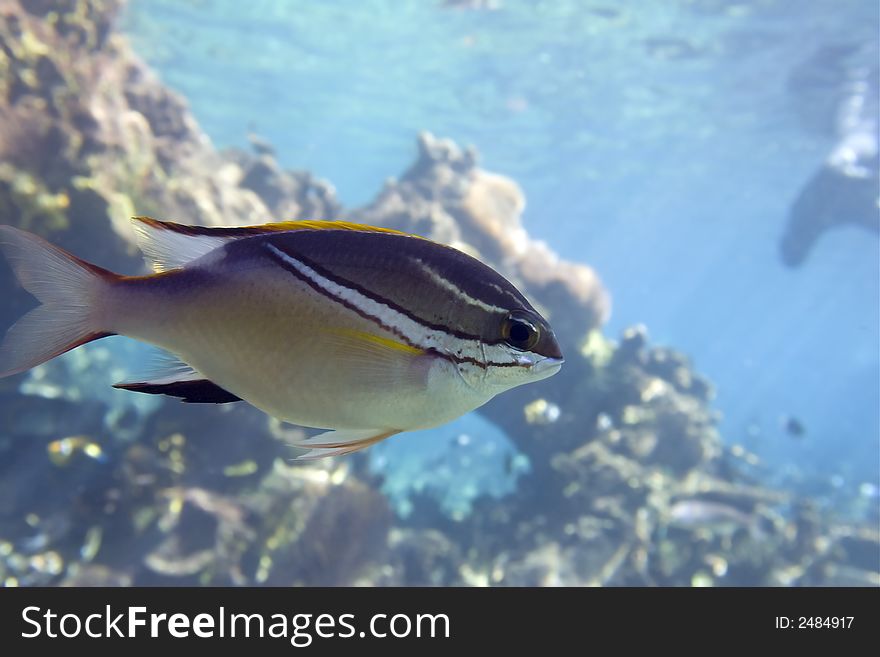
x=619, y=475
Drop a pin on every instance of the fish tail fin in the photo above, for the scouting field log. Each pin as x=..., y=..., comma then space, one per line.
x=69, y=290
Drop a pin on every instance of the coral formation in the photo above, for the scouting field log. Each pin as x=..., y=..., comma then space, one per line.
x=628, y=480
x=89, y=137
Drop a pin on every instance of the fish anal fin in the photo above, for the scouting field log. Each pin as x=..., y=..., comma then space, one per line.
x=199, y=391
x=340, y=442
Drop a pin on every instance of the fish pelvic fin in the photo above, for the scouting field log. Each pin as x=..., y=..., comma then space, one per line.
x=340, y=442
x=199, y=391
x=171, y=376
x=69, y=290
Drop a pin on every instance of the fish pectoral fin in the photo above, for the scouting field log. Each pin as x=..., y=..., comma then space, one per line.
x=378, y=361
x=341, y=441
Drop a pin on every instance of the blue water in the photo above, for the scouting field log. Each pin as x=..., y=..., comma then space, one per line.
x=655, y=141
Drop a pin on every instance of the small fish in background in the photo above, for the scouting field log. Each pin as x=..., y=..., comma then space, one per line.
x=716, y=517
x=364, y=331
x=793, y=427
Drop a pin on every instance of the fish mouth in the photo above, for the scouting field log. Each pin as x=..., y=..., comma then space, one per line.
x=547, y=366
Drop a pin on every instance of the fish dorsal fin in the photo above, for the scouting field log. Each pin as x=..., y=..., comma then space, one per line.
x=168, y=245
x=165, y=247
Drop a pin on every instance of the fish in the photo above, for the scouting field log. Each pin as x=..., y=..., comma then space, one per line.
x=362, y=331
x=713, y=516
x=793, y=427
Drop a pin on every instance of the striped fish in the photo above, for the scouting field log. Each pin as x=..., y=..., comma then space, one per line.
x=363, y=331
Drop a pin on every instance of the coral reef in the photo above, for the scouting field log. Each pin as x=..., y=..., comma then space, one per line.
x=89, y=137
x=628, y=479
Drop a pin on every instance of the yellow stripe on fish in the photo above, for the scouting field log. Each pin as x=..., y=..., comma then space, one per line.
x=360, y=330
x=375, y=339
x=242, y=231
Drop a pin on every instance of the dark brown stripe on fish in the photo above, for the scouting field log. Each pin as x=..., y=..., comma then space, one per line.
x=387, y=302
x=394, y=270
x=317, y=287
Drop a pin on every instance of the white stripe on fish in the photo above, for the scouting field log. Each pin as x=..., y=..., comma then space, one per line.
x=414, y=333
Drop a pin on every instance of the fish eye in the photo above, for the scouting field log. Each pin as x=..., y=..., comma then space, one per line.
x=520, y=333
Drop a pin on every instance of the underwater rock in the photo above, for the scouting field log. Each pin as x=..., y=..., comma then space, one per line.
x=96, y=576
x=861, y=545
x=543, y=566
x=288, y=195
x=317, y=527
x=207, y=534
x=630, y=492
x=102, y=139
x=50, y=91
x=422, y=558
